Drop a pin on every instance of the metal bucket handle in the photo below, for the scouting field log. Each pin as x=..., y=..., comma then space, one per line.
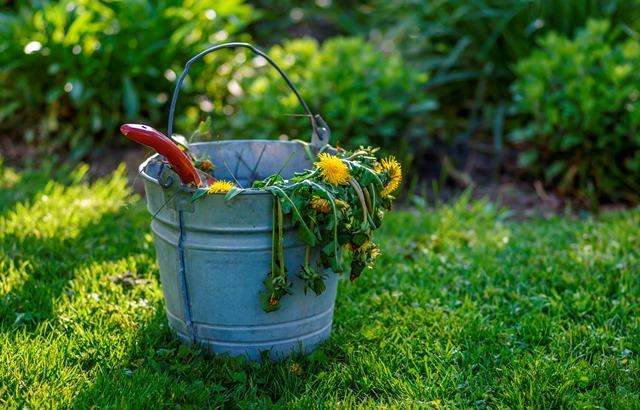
x=321, y=134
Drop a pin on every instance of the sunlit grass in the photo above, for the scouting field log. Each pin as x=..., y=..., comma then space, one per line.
x=465, y=309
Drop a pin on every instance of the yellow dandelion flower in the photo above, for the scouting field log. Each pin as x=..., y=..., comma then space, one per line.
x=358, y=249
x=321, y=204
x=365, y=246
x=220, y=186
x=332, y=169
x=341, y=204
x=392, y=167
x=349, y=246
x=375, y=253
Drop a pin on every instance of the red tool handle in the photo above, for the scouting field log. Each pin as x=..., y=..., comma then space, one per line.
x=163, y=145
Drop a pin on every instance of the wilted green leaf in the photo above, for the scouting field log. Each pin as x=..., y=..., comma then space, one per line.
x=265, y=303
x=198, y=193
x=233, y=193
x=204, y=126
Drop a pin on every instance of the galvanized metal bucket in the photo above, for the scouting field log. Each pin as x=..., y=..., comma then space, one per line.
x=214, y=256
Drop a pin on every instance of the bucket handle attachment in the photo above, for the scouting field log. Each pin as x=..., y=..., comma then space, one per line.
x=321, y=134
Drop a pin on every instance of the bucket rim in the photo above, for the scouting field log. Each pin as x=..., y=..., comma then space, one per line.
x=245, y=191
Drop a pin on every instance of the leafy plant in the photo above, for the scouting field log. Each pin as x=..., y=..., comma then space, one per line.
x=338, y=204
x=74, y=70
x=364, y=95
x=582, y=97
x=470, y=48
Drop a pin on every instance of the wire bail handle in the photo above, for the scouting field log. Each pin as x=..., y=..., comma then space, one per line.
x=321, y=134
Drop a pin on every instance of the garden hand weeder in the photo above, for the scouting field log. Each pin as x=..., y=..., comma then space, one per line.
x=163, y=145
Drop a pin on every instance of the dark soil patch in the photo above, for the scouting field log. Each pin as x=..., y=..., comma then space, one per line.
x=17, y=153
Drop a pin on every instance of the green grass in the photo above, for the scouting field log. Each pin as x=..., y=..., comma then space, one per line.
x=464, y=310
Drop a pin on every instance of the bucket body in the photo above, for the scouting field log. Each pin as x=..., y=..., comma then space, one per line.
x=214, y=256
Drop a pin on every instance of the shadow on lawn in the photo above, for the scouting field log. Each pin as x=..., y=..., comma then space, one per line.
x=157, y=371
x=39, y=270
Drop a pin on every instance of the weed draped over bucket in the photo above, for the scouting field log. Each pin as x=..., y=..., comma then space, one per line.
x=337, y=205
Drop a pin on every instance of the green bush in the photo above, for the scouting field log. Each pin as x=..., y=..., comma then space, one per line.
x=74, y=70
x=581, y=95
x=469, y=48
x=365, y=96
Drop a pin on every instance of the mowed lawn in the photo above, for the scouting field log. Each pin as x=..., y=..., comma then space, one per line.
x=465, y=309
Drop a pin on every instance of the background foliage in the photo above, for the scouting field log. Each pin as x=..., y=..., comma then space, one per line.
x=582, y=95
x=365, y=95
x=470, y=47
x=74, y=70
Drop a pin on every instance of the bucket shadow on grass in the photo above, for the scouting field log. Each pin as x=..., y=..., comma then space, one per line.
x=161, y=372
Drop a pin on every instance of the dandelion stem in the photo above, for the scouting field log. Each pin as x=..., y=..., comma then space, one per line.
x=307, y=256
x=356, y=155
x=280, y=239
x=358, y=190
x=367, y=198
